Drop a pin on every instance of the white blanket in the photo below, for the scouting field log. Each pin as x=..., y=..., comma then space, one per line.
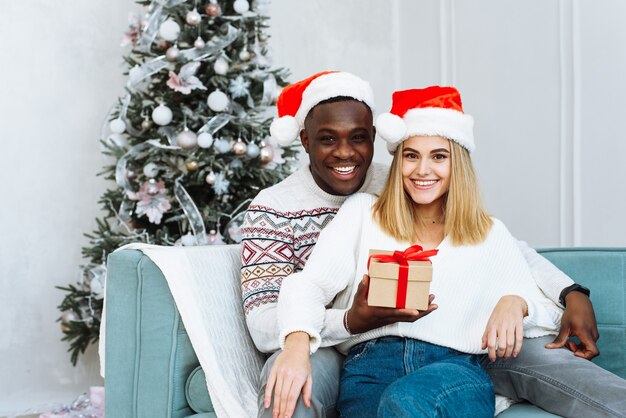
x=205, y=284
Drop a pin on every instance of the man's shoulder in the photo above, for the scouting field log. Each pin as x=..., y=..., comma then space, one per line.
x=292, y=198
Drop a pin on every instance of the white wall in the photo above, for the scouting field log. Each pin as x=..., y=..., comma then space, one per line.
x=543, y=78
x=60, y=73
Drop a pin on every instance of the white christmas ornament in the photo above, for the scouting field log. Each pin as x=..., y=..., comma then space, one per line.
x=150, y=170
x=205, y=140
x=253, y=150
x=169, y=30
x=217, y=101
x=187, y=139
x=162, y=115
x=117, y=126
x=118, y=140
x=193, y=17
x=188, y=239
x=241, y=6
x=221, y=66
x=222, y=146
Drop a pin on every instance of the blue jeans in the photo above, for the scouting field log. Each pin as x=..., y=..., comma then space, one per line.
x=403, y=377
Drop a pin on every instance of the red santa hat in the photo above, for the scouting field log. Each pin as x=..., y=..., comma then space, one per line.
x=431, y=111
x=297, y=99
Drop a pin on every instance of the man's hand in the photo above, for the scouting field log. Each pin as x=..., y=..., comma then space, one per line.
x=362, y=317
x=504, y=332
x=578, y=320
x=290, y=376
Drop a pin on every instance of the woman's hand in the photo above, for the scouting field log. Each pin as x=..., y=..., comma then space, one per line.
x=290, y=376
x=504, y=333
x=362, y=317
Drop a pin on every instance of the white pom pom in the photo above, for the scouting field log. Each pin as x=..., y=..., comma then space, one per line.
x=390, y=127
x=284, y=130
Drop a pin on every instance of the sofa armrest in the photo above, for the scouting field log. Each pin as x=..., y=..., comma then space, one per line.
x=148, y=353
x=603, y=270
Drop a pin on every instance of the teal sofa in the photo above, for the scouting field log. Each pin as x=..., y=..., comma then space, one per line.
x=153, y=372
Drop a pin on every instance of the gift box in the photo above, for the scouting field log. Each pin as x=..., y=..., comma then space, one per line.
x=400, y=279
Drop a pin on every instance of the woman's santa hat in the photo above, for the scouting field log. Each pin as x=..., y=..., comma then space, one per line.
x=431, y=111
x=297, y=99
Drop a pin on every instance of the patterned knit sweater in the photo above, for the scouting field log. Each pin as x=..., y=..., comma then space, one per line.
x=279, y=232
x=467, y=282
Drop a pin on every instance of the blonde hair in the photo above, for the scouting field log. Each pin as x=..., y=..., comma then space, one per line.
x=466, y=221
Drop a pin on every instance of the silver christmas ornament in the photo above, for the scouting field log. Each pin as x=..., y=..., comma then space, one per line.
x=172, y=53
x=205, y=140
x=244, y=55
x=146, y=124
x=187, y=139
x=266, y=154
x=199, y=43
x=263, y=37
x=162, y=115
x=239, y=147
x=193, y=17
x=210, y=178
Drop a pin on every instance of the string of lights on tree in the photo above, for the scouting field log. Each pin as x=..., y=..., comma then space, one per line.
x=189, y=140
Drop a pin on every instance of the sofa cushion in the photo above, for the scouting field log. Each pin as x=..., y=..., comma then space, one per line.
x=197, y=393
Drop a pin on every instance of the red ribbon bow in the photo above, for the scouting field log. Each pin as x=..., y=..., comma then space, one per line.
x=413, y=253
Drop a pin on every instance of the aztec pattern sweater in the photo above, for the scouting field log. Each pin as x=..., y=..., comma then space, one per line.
x=279, y=232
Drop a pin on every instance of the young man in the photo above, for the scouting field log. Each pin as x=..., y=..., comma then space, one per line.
x=332, y=114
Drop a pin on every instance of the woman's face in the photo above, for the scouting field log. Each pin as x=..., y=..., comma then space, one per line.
x=426, y=169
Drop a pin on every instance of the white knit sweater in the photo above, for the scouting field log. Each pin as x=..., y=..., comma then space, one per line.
x=467, y=282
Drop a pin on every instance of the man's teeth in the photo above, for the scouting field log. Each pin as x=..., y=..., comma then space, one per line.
x=344, y=170
x=424, y=183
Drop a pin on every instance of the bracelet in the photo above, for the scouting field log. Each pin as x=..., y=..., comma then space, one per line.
x=345, y=322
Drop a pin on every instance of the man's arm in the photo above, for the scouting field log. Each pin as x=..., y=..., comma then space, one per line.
x=267, y=257
x=579, y=319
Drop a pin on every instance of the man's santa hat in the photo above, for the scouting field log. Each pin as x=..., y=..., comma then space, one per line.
x=431, y=111
x=297, y=99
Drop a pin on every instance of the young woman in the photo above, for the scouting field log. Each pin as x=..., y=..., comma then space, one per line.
x=487, y=300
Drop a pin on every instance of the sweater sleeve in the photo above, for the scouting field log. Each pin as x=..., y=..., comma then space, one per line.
x=267, y=257
x=549, y=279
x=329, y=270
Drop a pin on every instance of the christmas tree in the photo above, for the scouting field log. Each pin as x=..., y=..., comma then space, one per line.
x=189, y=140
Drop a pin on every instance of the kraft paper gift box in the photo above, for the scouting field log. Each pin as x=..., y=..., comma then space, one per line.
x=386, y=278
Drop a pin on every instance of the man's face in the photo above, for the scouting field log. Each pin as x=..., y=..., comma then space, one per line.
x=339, y=138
